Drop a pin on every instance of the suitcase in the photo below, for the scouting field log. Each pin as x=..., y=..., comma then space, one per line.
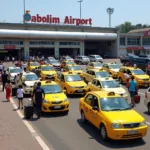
x=137, y=98
x=28, y=111
x=14, y=91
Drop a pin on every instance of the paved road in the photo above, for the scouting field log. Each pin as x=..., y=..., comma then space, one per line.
x=68, y=133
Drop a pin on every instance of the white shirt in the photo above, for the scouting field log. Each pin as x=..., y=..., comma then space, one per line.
x=24, y=66
x=20, y=93
x=1, y=66
x=126, y=76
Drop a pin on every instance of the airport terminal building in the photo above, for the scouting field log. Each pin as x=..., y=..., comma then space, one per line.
x=73, y=37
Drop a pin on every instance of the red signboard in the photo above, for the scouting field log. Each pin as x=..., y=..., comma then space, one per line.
x=147, y=33
x=135, y=48
x=9, y=47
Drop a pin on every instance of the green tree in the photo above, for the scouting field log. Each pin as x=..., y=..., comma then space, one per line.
x=126, y=27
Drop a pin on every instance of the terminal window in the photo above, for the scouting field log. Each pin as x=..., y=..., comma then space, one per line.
x=133, y=41
x=69, y=43
x=122, y=41
x=146, y=41
x=10, y=42
x=41, y=43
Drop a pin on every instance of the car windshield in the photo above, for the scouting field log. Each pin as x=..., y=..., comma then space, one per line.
x=68, y=57
x=51, y=58
x=98, y=57
x=47, y=68
x=73, y=78
x=70, y=63
x=31, y=77
x=110, y=84
x=72, y=68
x=115, y=66
x=138, y=72
x=85, y=57
x=15, y=70
x=102, y=74
x=54, y=61
x=114, y=104
x=50, y=89
x=97, y=65
x=34, y=64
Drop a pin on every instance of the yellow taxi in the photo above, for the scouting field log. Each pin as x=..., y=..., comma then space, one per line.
x=94, y=65
x=112, y=115
x=55, y=99
x=140, y=76
x=32, y=65
x=67, y=62
x=72, y=83
x=107, y=84
x=74, y=68
x=112, y=68
x=47, y=72
x=90, y=74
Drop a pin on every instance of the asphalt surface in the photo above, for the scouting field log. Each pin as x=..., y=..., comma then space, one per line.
x=66, y=132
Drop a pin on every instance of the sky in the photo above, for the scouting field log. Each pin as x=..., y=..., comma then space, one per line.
x=134, y=11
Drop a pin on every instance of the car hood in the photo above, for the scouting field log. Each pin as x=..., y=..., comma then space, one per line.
x=31, y=83
x=118, y=90
x=142, y=76
x=56, y=64
x=115, y=70
x=48, y=72
x=77, y=83
x=126, y=116
x=14, y=74
x=77, y=71
x=55, y=97
x=98, y=67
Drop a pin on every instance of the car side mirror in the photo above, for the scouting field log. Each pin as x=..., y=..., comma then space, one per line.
x=95, y=108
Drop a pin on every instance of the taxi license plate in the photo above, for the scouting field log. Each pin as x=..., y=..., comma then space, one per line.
x=57, y=107
x=133, y=132
x=80, y=90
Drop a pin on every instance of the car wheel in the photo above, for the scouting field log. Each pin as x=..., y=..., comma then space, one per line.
x=83, y=119
x=120, y=80
x=103, y=132
x=148, y=108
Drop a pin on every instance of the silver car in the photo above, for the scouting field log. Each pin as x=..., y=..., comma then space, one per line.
x=55, y=63
x=82, y=60
x=96, y=58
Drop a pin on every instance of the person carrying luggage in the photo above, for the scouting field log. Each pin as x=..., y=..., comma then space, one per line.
x=20, y=96
x=39, y=95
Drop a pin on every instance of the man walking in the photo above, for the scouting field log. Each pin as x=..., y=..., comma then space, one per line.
x=132, y=90
x=20, y=80
x=4, y=79
x=39, y=95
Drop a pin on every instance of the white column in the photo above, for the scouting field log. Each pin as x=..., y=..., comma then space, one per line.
x=141, y=41
x=126, y=40
x=56, y=49
x=26, y=48
x=82, y=48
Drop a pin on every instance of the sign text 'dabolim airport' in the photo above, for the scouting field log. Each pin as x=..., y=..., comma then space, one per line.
x=56, y=20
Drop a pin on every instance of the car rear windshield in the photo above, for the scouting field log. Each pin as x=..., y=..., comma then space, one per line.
x=102, y=74
x=31, y=77
x=35, y=64
x=72, y=68
x=15, y=70
x=114, y=66
x=47, y=68
x=98, y=65
x=114, y=104
x=73, y=78
x=138, y=72
x=110, y=84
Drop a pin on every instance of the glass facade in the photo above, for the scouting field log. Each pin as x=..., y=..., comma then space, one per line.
x=42, y=43
x=11, y=42
x=146, y=41
x=69, y=43
x=122, y=41
x=133, y=41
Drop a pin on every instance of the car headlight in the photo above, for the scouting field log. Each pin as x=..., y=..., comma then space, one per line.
x=66, y=100
x=45, y=101
x=143, y=123
x=116, y=126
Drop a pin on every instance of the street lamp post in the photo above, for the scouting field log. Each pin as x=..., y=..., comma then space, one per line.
x=24, y=4
x=110, y=12
x=80, y=8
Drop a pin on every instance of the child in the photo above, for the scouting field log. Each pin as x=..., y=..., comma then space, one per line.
x=8, y=88
x=20, y=96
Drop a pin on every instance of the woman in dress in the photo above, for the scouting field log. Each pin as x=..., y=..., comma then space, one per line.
x=8, y=88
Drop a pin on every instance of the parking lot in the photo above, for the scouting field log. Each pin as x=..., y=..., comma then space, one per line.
x=66, y=132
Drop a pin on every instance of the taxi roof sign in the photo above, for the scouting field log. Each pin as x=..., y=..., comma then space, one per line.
x=111, y=94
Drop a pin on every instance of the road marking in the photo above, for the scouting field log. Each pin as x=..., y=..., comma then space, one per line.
x=141, y=93
x=148, y=123
x=29, y=126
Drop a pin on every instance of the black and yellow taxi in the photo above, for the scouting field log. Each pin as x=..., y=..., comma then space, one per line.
x=94, y=65
x=32, y=65
x=112, y=68
x=112, y=115
x=71, y=83
x=55, y=98
x=90, y=74
x=64, y=63
x=47, y=72
x=140, y=76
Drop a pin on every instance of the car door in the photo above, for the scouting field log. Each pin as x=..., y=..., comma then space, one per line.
x=92, y=85
x=94, y=114
x=87, y=107
x=58, y=80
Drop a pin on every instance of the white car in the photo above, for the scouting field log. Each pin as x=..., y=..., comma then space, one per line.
x=31, y=78
x=147, y=99
x=13, y=71
x=66, y=58
x=96, y=58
